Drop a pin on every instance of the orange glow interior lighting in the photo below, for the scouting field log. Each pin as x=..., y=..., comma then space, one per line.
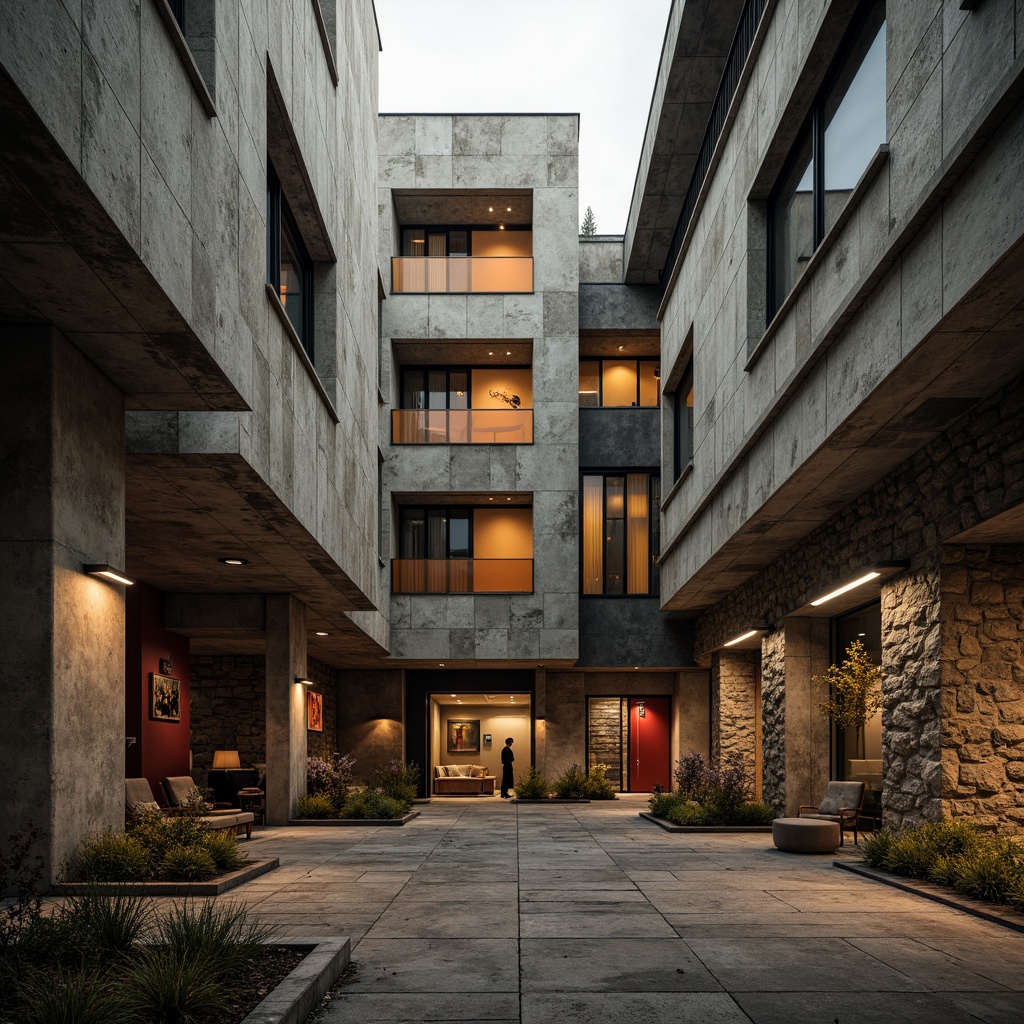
x=108, y=572
x=866, y=578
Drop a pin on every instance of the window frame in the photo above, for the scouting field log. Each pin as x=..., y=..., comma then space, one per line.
x=447, y=230
x=813, y=126
x=601, y=360
x=679, y=404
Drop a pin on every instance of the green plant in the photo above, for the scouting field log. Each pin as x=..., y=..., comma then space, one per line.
x=689, y=814
x=571, y=784
x=188, y=864
x=753, y=813
x=166, y=989
x=107, y=924
x=222, y=935
x=330, y=778
x=112, y=857
x=986, y=876
x=223, y=848
x=598, y=786
x=855, y=689
x=21, y=872
x=531, y=785
x=398, y=780
x=316, y=805
x=371, y=803
x=662, y=803
x=79, y=997
x=876, y=847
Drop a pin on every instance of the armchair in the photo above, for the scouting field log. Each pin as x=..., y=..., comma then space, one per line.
x=842, y=803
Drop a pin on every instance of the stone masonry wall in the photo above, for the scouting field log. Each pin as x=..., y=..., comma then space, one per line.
x=773, y=720
x=324, y=744
x=229, y=701
x=911, y=686
x=733, y=714
x=606, y=736
x=983, y=683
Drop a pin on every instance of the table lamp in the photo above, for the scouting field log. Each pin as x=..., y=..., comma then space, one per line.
x=226, y=759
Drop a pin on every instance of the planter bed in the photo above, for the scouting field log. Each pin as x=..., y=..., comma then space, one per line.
x=213, y=887
x=668, y=826
x=994, y=912
x=344, y=822
x=556, y=800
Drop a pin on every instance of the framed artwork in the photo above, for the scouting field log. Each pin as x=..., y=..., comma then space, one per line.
x=164, y=698
x=463, y=735
x=314, y=711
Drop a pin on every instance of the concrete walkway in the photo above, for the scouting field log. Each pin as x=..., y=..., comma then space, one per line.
x=482, y=910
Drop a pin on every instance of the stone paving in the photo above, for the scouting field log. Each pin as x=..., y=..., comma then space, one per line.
x=484, y=910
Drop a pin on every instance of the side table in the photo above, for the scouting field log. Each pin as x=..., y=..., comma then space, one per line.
x=253, y=802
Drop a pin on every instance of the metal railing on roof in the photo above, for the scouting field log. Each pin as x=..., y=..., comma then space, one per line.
x=743, y=40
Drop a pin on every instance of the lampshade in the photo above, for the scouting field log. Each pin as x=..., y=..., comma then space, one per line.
x=226, y=759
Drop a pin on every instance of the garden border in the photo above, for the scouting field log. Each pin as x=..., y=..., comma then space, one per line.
x=214, y=887
x=994, y=912
x=668, y=826
x=298, y=994
x=345, y=822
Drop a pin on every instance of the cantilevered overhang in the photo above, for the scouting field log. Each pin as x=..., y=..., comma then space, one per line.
x=693, y=57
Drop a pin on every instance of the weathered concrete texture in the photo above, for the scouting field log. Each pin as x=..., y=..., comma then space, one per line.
x=911, y=686
x=566, y=721
x=982, y=667
x=626, y=632
x=62, y=696
x=734, y=710
x=286, y=706
x=773, y=720
x=611, y=307
x=371, y=712
x=620, y=438
x=601, y=259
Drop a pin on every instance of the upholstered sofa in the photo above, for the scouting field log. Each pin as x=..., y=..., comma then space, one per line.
x=138, y=799
x=462, y=780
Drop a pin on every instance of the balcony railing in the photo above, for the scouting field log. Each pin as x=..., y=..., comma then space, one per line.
x=462, y=576
x=462, y=426
x=461, y=274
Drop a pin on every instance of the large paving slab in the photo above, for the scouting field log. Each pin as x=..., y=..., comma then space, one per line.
x=586, y=913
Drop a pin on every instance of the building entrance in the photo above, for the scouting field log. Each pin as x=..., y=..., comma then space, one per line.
x=632, y=736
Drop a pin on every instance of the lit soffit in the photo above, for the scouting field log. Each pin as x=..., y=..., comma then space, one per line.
x=857, y=587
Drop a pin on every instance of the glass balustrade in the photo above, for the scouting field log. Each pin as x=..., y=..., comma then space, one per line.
x=462, y=575
x=461, y=274
x=462, y=426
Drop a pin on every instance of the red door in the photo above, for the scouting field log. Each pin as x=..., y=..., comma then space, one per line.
x=649, y=750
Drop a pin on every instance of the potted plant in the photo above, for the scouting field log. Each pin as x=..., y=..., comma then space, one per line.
x=854, y=691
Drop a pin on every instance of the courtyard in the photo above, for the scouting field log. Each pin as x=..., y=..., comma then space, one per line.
x=481, y=910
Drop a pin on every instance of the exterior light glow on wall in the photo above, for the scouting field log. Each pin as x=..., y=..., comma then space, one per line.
x=108, y=572
x=739, y=639
x=866, y=578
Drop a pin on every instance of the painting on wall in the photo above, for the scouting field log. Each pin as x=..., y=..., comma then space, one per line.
x=164, y=698
x=463, y=736
x=314, y=711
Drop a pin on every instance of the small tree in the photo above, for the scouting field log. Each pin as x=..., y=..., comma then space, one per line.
x=589, y=225
x=854, y=688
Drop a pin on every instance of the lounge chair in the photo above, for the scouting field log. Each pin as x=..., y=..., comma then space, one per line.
x=139, y=799
x=842, y=803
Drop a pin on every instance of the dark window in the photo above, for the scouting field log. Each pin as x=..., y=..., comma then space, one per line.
x=178, y=10
x=621, y=533
x=845, y=126
x=619, y=383
x=682, y=415
x=289, y=267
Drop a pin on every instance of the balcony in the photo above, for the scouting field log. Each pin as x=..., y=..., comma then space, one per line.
x=462, y=426
x=460, y=275
x=462, y=575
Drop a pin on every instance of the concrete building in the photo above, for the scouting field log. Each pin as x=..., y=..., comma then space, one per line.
x=366, y=421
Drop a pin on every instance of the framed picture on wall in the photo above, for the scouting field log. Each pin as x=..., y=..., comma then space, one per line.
x=463, y=735
x=164, y=698
x=314, y=711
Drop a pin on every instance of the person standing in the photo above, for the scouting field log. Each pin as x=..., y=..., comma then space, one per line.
x=507, y=757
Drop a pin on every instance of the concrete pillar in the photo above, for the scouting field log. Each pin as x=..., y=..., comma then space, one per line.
x=62, y=634
x=286, y=706
x=693, y=715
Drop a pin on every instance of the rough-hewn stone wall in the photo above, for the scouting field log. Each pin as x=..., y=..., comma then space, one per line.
x=324, y=744
x=606, y=736
x=773, y=720
x=229, y=701
x=733, y=714
x=983, y=683
x=911, y=686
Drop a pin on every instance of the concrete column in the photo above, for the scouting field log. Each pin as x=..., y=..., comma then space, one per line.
x=286, y=706
x=62, y=633
x=693, y=710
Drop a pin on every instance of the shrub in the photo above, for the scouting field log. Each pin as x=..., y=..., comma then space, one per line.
x=113, y=857
x=689, y=813
x=986, y=875
x=691, y=776
x=728, y=785
x=571, y=784
x=373, y=804
x=222, y=936
x=167, y=989
x=531, y=785
x=21, y=873
x=83, y=997
x=752, y=813
x=188, y=864
x=598, y=786
x=662, y=803
x=399, y=781
x=223, y=848
x=876, y=848
x=330, y=778
x=316, y=805
x=106, y=924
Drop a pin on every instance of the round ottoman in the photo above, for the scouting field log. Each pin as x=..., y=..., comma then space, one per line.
x=805, y=835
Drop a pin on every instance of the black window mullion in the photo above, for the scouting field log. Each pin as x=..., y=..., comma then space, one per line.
x=818, y=173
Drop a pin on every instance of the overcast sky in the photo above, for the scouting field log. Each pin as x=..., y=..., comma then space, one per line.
x=597, y=58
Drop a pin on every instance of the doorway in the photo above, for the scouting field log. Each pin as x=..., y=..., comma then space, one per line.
x=632, y=736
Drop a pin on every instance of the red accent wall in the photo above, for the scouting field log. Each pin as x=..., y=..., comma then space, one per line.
x=161, y=748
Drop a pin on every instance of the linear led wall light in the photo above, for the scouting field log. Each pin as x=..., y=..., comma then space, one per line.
x=304, y=681
x=108, y=572
x=739, y=639
x=866, y=578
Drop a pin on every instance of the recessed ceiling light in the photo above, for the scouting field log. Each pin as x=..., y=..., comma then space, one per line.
x=508, y=209
x=508, y=499
x=490, y=209
x=491, y=499
x=508, y=353
x=490, y=353
x=440, y=664
x=321, y=632
x=233, y=561
x=622, y=348
x=453, y=694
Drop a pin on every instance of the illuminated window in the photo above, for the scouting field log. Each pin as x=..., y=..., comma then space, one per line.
x=622, y=383
x=621, y=538
x=289, y=267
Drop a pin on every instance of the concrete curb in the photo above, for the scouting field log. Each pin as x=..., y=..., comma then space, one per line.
x=940, y=894
x=298, y=995
x=698, y=829
x=354, y=822
x=212, y=888
x=555, y=800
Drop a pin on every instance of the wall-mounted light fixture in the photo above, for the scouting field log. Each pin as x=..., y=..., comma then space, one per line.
x=108, y=572
x=233, y=561
x=743, y=636
x=304, y=681
x=321, y=632
x=866, y=578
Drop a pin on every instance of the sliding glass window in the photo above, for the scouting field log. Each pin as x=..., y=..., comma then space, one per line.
x=619, y=382
x=289, y=267
x=620, y=533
